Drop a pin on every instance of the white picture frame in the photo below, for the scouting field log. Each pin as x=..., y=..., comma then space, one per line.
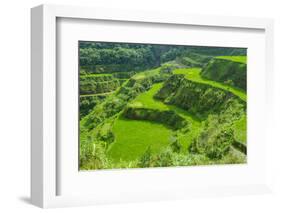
x=44, y=155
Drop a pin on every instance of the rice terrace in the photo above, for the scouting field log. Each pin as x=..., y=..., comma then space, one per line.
x=151, y=105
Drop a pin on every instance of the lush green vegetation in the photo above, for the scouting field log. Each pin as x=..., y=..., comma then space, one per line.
x=92, y=84
x=240, y=130
x=161, y=105
x=106, y=57
x=147, y=100
x=228, y=70
x=241, y=59
x=88, y=102
x=133, y=137
x=194, y=75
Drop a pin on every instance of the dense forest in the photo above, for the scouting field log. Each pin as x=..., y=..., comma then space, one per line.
x=149, y=105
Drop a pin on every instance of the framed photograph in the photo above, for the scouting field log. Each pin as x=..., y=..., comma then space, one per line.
x=129, y=106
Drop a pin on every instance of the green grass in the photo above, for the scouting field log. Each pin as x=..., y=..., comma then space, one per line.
x=133, y=137
x=240, y=59
x=194, y=127
x=146, y=74
x=193, y=74
x=146, y=100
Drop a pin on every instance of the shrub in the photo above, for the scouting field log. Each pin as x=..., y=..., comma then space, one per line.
x=164, y=159
x=105, y=133
x=175, y=144
x=215, y=138
x=219, y=145
x=146, y=159
x=87, y=103
x=92, y=155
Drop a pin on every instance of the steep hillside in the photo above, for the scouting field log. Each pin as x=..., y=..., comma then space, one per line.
x=224, y=125
x=197, y=98
x=96, y=84
x=228, y=70
x=191, y=59
x=194, y=74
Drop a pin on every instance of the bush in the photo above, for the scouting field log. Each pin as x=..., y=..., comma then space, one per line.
x=92, y=155
x=164, y=159
x=215, y=138
x=105, y=133
x=87, y=104
x=175, y=144
x=219, y=145
x=146, y=159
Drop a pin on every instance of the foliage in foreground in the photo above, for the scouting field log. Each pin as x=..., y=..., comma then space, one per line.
x=170, y=156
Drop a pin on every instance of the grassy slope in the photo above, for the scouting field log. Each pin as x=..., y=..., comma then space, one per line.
x=146, y=74
x=241, y=125
x=133, y=137
x=241, y=59
x=194, y=75
x=146, y=100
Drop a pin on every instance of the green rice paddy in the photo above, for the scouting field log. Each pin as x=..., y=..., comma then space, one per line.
x=133, y=137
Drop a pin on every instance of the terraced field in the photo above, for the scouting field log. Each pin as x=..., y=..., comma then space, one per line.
x=140, y=130
x=133, y=137
x=98, y=94
x=146, y=74
x=194, y=75
x=241, y=59
x=178, y=107
x=147, y=100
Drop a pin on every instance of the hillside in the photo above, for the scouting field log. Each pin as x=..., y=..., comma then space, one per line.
x=228, y=70
x=167, y=114
x=194, y=74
